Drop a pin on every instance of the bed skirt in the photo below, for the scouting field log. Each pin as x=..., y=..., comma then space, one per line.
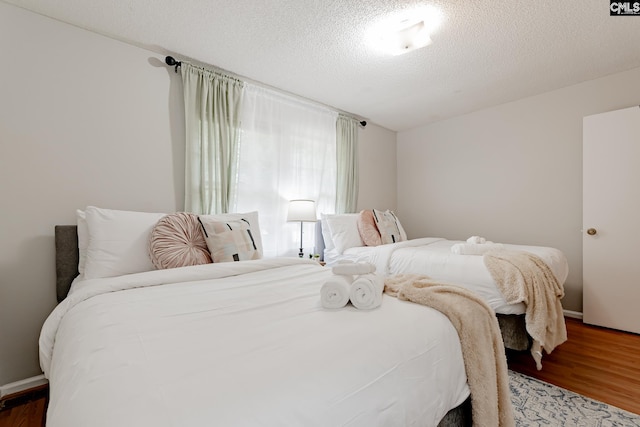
x=514, y=331
x=459, y=416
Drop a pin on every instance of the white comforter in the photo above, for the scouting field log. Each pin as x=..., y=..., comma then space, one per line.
x=434, y=258
x=244, y=344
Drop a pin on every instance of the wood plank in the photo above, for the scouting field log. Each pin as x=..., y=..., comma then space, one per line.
x=26, y=408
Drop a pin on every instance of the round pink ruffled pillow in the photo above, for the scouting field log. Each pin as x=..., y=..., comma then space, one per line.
x=177, y=240
x=368, y=229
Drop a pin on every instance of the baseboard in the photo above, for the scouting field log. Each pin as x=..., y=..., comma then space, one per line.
x=22, y=385
x=572, y=314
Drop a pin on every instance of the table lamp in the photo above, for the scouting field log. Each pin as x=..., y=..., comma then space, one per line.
x=303, y=211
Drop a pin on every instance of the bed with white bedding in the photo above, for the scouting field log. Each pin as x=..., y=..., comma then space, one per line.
x=244, y=344
x=341, y=238
x=238, y=343
x=434, y=258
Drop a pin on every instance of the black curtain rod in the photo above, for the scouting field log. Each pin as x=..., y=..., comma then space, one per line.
x=171, y=61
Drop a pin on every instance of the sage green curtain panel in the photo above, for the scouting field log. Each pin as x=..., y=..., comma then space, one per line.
x=347, y=164
x=212, y=117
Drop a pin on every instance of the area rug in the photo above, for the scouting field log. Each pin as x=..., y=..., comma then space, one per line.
x=536, y=403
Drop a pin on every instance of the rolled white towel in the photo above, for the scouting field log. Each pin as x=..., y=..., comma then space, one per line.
x=477, y=239
x=334, y=293
x=475, y=248
x=353, y=268
x=366, y=291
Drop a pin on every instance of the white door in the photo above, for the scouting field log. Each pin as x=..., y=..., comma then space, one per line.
x=611, y=219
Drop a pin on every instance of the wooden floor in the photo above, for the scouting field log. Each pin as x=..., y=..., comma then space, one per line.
x=600, y=363
x=25, y=409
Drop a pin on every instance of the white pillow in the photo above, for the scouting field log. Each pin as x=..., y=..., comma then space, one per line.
x=83, y=240
x=118, y=242
x=326, y=233
x=344, y=231
x=403, y=234
x=250, y=217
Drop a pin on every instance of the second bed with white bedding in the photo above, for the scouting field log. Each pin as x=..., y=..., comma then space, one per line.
x=433, y=257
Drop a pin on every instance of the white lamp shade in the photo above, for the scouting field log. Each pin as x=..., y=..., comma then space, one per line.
x=302, y=210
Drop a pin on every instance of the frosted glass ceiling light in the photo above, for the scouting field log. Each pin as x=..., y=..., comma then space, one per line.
x=412, y=37
x=406, y=32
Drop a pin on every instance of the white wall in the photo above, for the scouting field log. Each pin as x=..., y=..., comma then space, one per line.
x=378, y=168
x=88, y=120
x=512, y=173
x=83, y=120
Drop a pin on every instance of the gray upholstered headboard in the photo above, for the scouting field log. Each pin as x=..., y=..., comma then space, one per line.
x=66, y=237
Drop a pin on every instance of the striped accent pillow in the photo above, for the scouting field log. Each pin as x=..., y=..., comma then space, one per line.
x=389, y=226
x=229, y=241
x=177, y=241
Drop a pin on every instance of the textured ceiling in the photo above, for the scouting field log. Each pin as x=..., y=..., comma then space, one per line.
x=485, y=52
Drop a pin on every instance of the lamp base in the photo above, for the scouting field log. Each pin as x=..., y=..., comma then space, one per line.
x=301, y=253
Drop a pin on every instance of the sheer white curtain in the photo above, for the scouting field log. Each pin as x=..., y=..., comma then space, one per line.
x=287, y=151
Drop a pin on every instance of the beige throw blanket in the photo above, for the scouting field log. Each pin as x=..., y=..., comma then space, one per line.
x=480, y=339
x=524, y=277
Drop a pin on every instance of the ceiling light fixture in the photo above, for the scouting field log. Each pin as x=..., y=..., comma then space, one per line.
x=412, y=36
x=406, y=31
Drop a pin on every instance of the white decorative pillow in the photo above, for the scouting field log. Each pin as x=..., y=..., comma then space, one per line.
x=250, y=217
x=403, y=234
x=118, y=242
x=229, y=241
x=344, y=231
x=83, y=240
x=177, y=240
x=388, y=225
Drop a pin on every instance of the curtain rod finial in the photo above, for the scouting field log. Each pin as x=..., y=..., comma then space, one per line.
x=363, y=123
x=171, y=61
